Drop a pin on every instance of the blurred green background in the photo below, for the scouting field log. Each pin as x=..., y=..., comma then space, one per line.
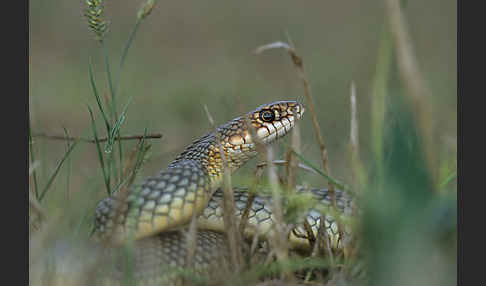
x=190, y=53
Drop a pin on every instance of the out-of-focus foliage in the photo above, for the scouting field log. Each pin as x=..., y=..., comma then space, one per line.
x=187, y=54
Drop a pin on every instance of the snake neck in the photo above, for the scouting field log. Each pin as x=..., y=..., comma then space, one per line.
x=205, y=152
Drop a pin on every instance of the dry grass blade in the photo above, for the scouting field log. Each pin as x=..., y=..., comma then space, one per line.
x=34, y=166
x=354, y=140
x=314, y=243
x=229, y=208
x=279, y=237
x=358, y=171
x=35, y=186
x=317, y=243
x=246, y=211
x=274, y=45
x=292, y=162
x=34, y=203
x=36, y=220
x=134, y=162
x=299, y=64
x=127, y=137
x=251, y=197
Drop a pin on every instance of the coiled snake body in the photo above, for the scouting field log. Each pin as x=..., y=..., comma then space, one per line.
x=151, y=212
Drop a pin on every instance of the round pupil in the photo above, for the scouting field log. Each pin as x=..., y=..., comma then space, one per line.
x=267, y=115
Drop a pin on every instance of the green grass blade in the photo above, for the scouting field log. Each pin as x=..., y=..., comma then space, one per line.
x=116, y=128
x=114, y=87
x=261, y=270
x=327, y=177
x=106, y=175
x=128, y=44
x=448, y=179
x=379, y=93
x=56, y=170
x=98, y=100
x=91, y=230
x=138, y=163
x=110, y=83
x=68, y=176
x=114, y=113
x=141, y=154
x=81, y=222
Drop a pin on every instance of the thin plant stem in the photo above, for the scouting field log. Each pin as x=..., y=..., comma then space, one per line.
x=229, y=220
x=96, y=94
x=299, y=65
x=285, y=163
x=125, y=49
x=323, y=174
x=106, y=175
x=358, y=170
x=104, y=139
x=68, y=176
x=32, y=160
x=278, y=241
x=293, y=163
x=114, y=117
x=140, y=158
x=115, y=86
x=56, y=171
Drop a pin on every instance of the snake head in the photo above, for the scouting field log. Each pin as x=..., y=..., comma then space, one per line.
x=274, y=120
x=270, y=121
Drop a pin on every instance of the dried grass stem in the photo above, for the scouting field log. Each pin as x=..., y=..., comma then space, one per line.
x=128, y=137
x=229, y=209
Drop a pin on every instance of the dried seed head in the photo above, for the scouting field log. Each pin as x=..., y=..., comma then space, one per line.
x=145, y=10
x=94, y=13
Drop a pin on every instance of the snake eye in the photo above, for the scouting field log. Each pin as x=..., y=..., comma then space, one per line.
x=267, y=115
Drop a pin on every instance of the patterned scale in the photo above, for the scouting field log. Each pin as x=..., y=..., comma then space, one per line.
x=158, y=259
x=167, y=200
x=261, y=220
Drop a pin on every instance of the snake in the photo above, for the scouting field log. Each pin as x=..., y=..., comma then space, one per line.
x=151, y=214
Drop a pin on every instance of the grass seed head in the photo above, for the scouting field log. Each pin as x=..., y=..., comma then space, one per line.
x=94, y=12
x=145, y=10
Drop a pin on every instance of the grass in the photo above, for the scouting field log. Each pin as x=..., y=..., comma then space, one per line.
x=407, y=231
